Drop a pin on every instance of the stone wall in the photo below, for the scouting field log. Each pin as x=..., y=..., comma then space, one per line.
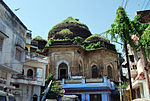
x=80, y=62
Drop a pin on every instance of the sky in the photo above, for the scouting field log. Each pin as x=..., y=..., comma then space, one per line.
x=41, y=15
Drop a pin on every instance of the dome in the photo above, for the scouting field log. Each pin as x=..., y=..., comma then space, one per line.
x=96, y=38
x=69, y=28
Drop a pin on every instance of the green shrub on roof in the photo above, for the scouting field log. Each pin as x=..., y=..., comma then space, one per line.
x=65, y=31
x=68, y=20
x=39, y=38
x=97, y=37
x=49, y=42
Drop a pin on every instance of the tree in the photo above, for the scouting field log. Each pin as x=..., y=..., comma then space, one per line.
x=134, y=33
x=121, y=28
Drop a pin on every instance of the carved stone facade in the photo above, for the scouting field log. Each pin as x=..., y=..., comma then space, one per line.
x=79, y=62
x=74, y=52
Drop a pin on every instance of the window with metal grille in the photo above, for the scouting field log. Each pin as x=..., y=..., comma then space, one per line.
x=18, y=54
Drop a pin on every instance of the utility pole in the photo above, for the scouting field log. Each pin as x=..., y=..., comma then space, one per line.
x=127, y=60
x=119, y=68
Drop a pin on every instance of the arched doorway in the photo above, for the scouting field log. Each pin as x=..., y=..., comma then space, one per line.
x=94, y=71
x=62, y=71
x=35, y=97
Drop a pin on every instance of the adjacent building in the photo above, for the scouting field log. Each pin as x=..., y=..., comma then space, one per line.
x=12, y=46
x=139, y=76
x=28, y=83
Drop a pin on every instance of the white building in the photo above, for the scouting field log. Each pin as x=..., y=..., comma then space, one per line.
x=12, y=45
x=29, y=82
x=139, y=75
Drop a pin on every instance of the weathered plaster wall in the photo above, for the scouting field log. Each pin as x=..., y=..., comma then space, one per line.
x=76, y=56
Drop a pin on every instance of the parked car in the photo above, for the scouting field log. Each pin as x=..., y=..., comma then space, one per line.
x=4, y=96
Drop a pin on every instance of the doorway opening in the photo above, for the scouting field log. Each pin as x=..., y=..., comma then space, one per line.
x=62, y=71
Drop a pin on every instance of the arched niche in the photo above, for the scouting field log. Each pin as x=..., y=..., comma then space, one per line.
x=58, y=70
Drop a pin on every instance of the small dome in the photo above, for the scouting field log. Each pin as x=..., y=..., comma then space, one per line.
x=96, y=37
x=70, y=27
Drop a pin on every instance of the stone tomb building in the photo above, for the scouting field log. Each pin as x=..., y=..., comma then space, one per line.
x=74, y=53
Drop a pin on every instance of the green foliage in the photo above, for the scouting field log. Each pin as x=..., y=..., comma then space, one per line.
x=90, y=46
x=97, y=37
x=78, y=40
x=38, y=50
x=39, y=38
x=68, y=20
x=49, y=78
x=123, y=28
x=49, y=42
x=145, y=41
x=123, y=85
x=65, y=31
x=56, y=90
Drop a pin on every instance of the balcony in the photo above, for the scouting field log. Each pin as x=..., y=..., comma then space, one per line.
x=88, y=84
x=19, y=78
x=36, y=57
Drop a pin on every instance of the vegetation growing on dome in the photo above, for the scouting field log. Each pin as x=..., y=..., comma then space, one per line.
x=91, y=46
x=96, y=38
x=93, y=42
x=50, y=41
x=78, y=40
x=38, y=50
x=65, y=31
x=68, y=20
x=39, y=38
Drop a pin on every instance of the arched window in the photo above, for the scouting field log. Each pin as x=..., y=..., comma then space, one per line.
x=109, y=72
x=30, y=72
x=94, y=71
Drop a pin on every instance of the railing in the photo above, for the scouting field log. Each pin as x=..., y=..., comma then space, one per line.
x=77, y=81
x=85, y=84
x=35, y=55
x=20, y=76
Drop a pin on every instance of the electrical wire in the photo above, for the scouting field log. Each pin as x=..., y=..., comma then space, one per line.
x=126, y=4
x=143, y=4
x=147, y=4
x=122, y=3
